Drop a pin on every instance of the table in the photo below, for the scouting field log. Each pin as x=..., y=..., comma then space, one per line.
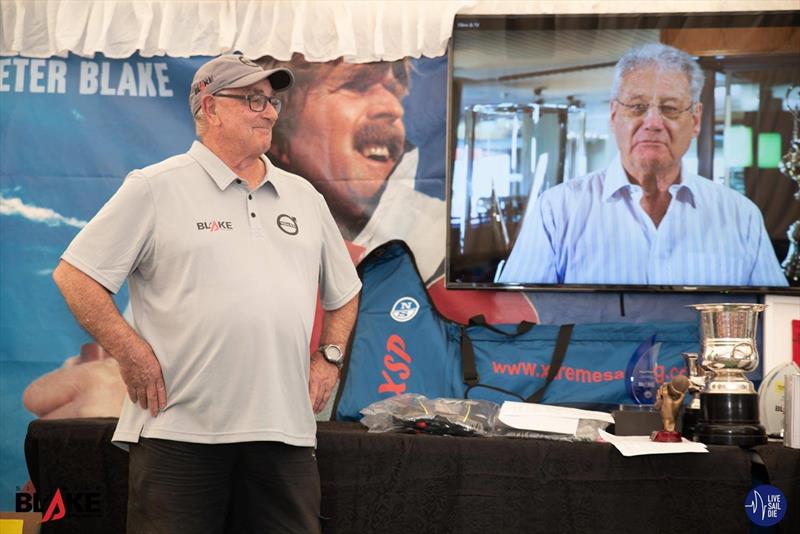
x=418, y=483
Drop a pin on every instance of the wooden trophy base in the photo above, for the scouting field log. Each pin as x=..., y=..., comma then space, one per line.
x=665, y=436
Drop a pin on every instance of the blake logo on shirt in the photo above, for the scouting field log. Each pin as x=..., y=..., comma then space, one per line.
x=288, y=224
x=215, y=226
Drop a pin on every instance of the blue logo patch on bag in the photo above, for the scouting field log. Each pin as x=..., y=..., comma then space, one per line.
x=404, y=309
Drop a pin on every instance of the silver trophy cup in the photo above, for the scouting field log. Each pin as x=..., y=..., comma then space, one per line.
x=729, y=402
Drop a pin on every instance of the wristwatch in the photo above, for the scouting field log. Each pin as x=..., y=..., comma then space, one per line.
x=333, y=354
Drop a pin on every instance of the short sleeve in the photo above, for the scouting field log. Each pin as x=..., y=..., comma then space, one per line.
x=113, y=244
x=338, y=281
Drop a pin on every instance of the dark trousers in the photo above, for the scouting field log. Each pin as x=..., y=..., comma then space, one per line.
x=183, y=488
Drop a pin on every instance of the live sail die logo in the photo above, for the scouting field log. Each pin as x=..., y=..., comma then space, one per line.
x=288, y=224
x=765, y=505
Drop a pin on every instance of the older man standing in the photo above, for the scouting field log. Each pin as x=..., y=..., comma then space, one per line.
x=224, y=254
x=647, y=218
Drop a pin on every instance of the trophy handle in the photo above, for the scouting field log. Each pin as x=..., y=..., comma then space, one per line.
x=710, y=372
x=742, y=353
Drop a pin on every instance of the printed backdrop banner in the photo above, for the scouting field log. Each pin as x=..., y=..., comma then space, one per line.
x=370, y=137
x=71, y=129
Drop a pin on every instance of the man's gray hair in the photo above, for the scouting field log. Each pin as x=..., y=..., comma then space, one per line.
x=661, y=56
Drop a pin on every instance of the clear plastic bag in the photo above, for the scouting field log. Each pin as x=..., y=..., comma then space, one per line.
x=415, y=413
x=587, y=431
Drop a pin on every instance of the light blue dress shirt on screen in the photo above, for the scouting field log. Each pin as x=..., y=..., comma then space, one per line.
x=593, y=230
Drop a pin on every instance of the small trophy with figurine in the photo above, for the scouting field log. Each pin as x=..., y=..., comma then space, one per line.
x=669, y=400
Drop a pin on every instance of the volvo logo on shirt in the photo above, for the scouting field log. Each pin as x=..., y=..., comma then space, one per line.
x=404, y=309
x=288, y=224
x=215, y=226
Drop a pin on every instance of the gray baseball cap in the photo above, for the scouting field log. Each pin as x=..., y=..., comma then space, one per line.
x=231, y=71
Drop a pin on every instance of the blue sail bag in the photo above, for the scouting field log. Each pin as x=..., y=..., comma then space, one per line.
x=402, y=344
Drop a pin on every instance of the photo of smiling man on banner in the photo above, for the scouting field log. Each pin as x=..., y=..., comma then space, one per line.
x=348, y=129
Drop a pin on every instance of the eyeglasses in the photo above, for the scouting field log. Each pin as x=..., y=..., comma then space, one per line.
x=639, y=110
x=257, y=103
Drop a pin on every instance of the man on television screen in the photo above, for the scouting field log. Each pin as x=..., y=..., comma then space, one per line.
x=647, y=219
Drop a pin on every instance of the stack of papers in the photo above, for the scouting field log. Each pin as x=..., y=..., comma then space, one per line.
x=558, y=420
x=641, y=445
x=544, y=418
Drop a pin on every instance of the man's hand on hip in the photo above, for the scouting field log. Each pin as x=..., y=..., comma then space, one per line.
x=322, y=377
x=92, y=305
x=142, y=375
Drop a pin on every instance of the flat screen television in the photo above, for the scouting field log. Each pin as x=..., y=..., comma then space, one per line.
x=553, y=183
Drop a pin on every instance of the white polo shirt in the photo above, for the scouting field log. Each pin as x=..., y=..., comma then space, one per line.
x=223, y=285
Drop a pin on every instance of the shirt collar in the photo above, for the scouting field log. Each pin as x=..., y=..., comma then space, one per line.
x=687, y=189
x=617, y=180
x=222, y=175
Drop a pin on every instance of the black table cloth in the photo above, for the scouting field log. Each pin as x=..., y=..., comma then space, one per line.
x=418, y=483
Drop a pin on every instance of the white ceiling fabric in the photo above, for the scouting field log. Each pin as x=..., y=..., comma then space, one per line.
x=359, y=31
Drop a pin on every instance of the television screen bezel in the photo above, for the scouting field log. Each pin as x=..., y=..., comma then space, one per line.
x=595, y=21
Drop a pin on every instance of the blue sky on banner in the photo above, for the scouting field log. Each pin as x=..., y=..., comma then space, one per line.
x=70, y=130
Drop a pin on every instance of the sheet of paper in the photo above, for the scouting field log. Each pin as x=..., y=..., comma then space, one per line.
x=641, y=445
x=545, y=410
x=560, y=425
x=544, y=418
